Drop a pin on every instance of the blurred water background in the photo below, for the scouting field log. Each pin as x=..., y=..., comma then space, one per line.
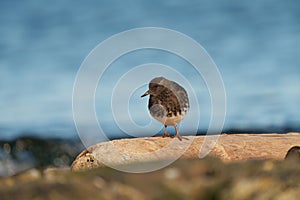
x=255, y=44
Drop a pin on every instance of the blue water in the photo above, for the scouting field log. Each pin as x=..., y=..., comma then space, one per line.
x=255, y=44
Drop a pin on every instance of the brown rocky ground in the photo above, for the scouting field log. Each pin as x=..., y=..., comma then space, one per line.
x=208, y=178
x=238, y=167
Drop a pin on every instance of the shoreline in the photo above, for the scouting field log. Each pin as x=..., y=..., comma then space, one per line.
x=30, y=152
x=213, y=177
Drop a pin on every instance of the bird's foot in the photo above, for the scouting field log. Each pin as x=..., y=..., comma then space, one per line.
x=180, y=137
x=166, y=135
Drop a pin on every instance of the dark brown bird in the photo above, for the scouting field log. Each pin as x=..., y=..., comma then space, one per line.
x=168, y=103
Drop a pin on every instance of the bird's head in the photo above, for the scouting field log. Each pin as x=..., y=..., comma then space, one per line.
x=156, y=85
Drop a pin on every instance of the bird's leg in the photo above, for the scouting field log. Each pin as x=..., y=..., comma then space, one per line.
x=165, y=132
x=177, y=134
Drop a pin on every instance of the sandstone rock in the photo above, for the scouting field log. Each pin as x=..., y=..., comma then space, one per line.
x=293, y=153
x=227, y=147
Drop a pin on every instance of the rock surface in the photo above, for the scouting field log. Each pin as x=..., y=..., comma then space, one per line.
x=293, y=153
x=226, y=147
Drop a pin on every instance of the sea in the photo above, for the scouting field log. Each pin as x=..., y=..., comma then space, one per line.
x=253, y=45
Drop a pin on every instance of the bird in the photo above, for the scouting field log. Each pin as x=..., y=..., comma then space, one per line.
x=168, y=103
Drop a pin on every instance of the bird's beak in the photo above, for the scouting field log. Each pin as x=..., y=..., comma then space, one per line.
x=146, y=93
